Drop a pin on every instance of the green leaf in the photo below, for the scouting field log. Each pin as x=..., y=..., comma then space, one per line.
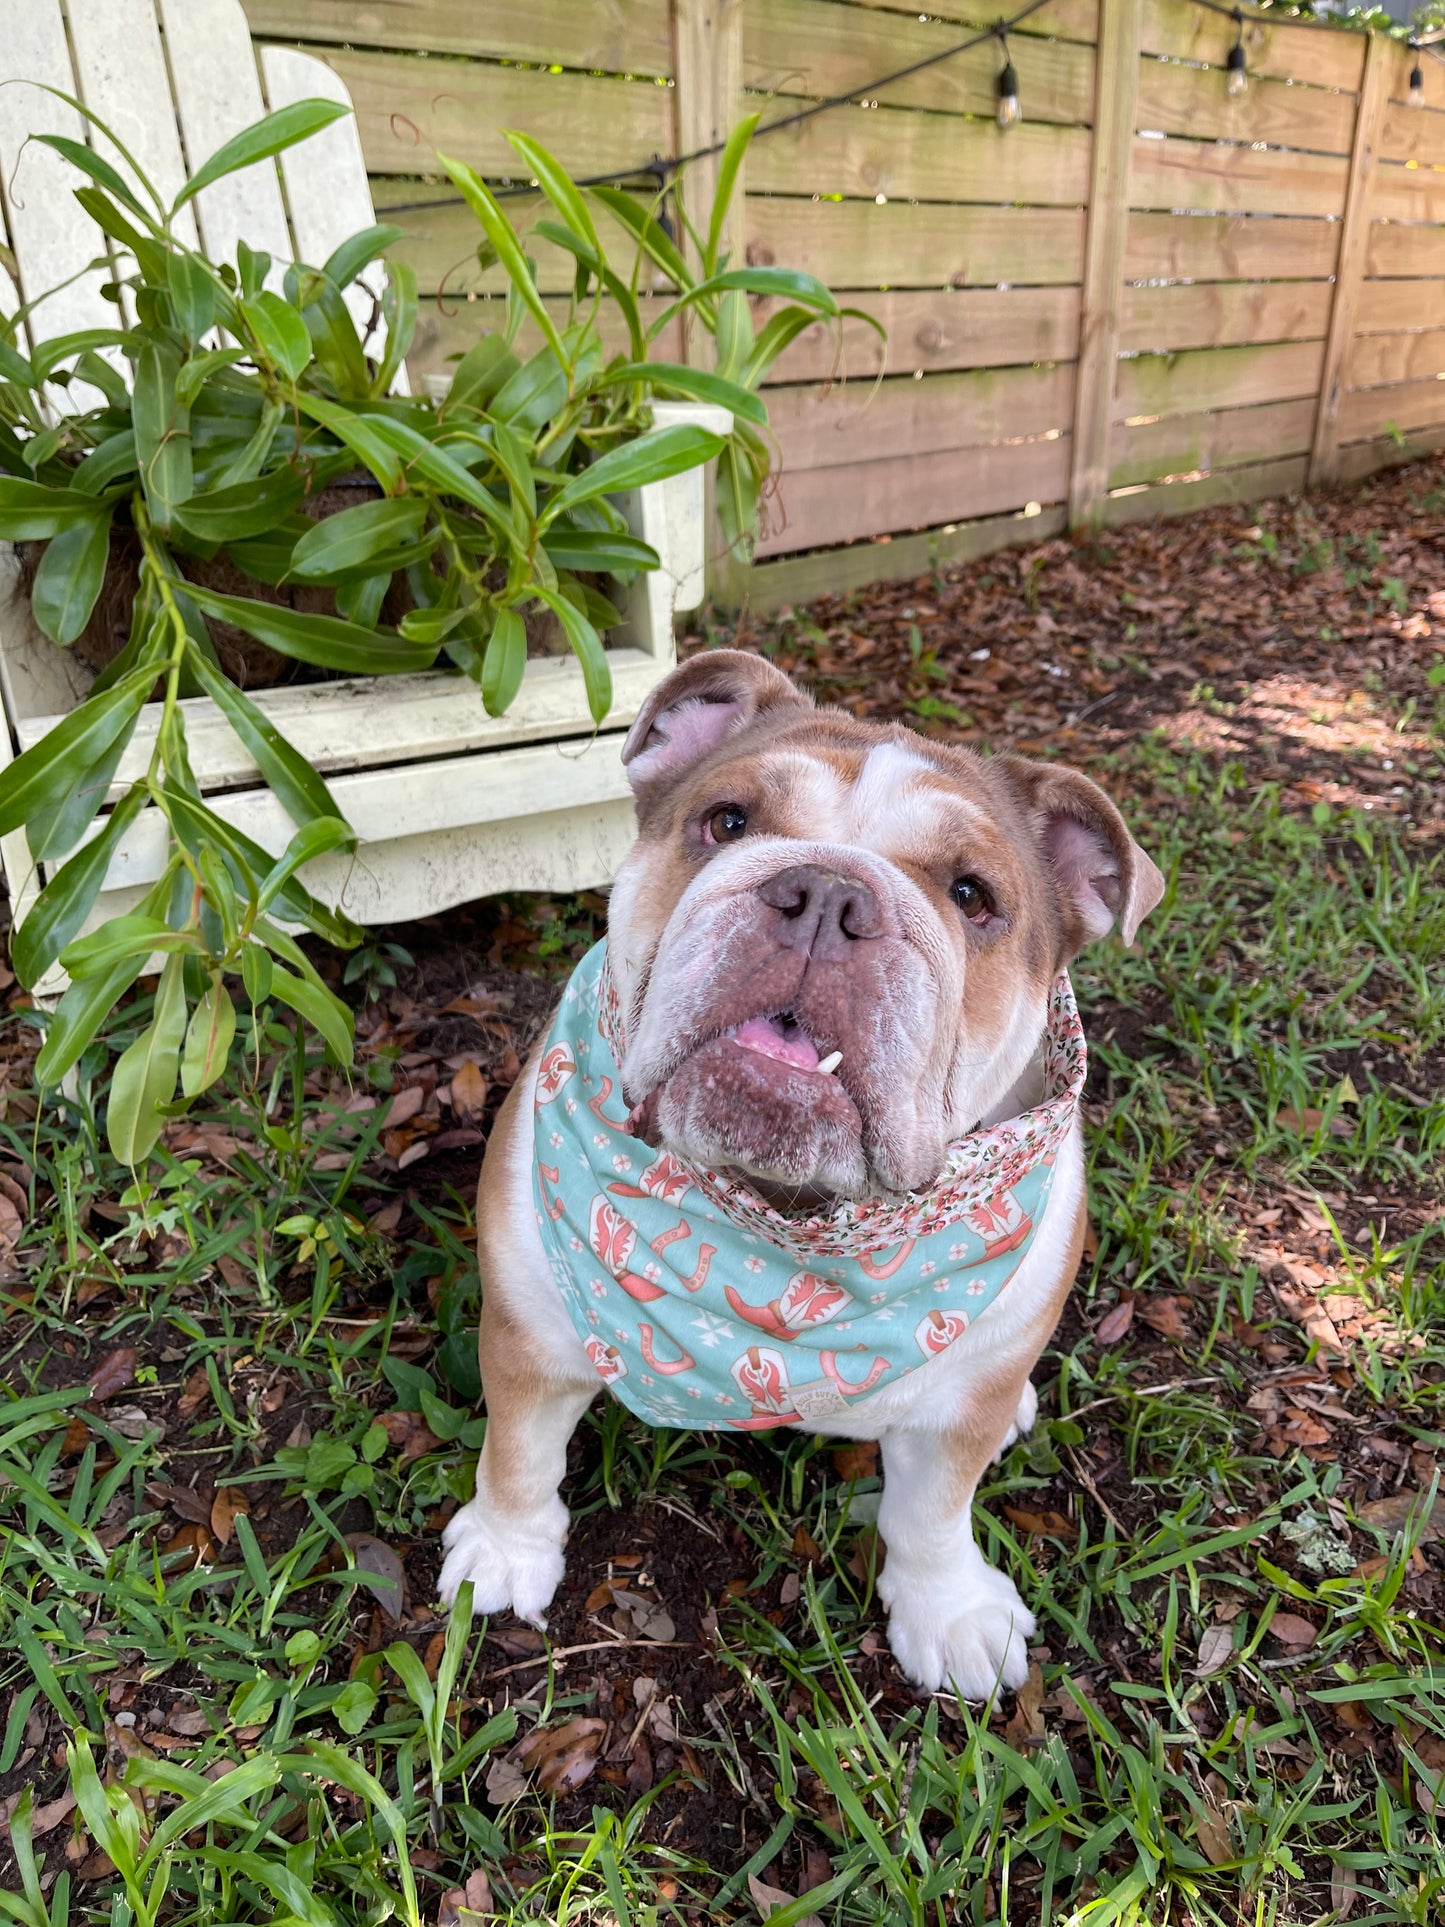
x=778, y=332
x=557, y=184
x=98, y=169
x=208, y=1039
x=144, y=1077
x=358, y=251
x=78, y=1016
x=587, y=646
x=595, y=263
x=107, y=462
x=193, y=293
x=533, y=393
x=313, y=839
x=246, y=466
x=54, y=830
x=398, y=311
x=202, y=831
x=353, y=1706
x=482, y=370
x=299, y=788
x=244, y=509
x=347, y=542
x=651, y=458
x=199, y=369
x=591, y=550
x=42, y=774
x=324, y=1012
x=33, y=512
x=49, y=355
x=442, y=470
x=359, y=433
x=698, y=384
x=339, y=353
x=134, y=935
x=162, y=431
x=70, y=576
x=727, y=176
x=270, y=135
x=279, y=332
x=65, y=902
x=256, y=968
x=504, y=663
x=646, y=230
x=326, y=641
x=734, y=334
x=501, y=234
x=432, y=625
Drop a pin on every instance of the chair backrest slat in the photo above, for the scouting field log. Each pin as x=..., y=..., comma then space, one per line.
x=121, y=67
x=218, y=92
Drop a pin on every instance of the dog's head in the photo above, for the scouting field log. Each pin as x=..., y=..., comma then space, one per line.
x=834, y=940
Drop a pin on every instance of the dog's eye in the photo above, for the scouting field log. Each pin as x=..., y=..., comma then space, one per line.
x=727, y=824
x=972, y=898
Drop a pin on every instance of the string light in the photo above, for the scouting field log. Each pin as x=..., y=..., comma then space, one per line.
x=1236, y=72
x=1416, y=95
x=1008, y=112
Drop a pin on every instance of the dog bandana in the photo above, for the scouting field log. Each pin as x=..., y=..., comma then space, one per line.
x=700, y=1305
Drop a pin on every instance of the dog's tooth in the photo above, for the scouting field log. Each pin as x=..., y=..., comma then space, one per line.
x=827, y=1065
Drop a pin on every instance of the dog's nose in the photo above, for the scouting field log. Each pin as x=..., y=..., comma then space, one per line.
x=821, y=911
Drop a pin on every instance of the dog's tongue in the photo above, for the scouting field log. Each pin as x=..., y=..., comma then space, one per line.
x=768, y=1037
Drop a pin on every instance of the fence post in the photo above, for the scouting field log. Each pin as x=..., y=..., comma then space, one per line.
x=707, y=42
x=1116, y=92
x=1380, y=56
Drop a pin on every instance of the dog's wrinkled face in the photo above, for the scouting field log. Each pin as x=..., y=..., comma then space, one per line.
x=834, y=940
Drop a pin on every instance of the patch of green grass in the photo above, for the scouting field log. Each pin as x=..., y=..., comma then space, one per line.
x=250, y=1733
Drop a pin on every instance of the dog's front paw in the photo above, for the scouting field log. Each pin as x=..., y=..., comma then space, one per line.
x=973, y=1638
x=510, y=1564
x=1023, y=1424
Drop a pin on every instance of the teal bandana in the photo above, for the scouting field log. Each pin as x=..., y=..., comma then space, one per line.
x=700, y=1305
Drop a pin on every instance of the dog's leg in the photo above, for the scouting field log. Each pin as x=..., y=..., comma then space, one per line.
x=508, y=1539
x=953, y=1618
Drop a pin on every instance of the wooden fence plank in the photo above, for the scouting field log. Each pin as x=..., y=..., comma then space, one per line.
x=1401, y=193
x=1102, y=297
x=824, y=428
x=1175, y=99
x=408, y=108
x=938, y=330
x=1222, y=313
x=1252, y=484
x=1395, y=249
x=618, y=36
x=1228, y=247
x=921, y=156
x=857, y=244
x=1354, y=237
x=1221, y=438
x=778, y=585
x=707, y=104
x=825, y=505
x=449, y=329
x=1376, y=359
x=1217, y=178
x=1388, y=306
x=1180, y=384
x=1359, y=459
x=1406, y=406
x=818, y=49
x=1061, y=19
x=1324, y=56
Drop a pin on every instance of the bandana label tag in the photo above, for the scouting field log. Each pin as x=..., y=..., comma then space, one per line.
x=821, y=1399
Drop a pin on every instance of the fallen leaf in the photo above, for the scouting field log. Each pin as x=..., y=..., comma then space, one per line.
x=1211, y=1830
x=1309, y=1119
x=405, y=1105
x=565, y=1756
x=1399, y=1509
x=410, y=1431
x=1344, y=1890
x=180, y=1499
x=469, y=1090
x=1215, y=1648
x=505, y=1782
x=380, y=1571
x=228, y=1505
x=112, y=1373
x=769, y=1900
x=1040, y=1524
x=856, y=1460
x=788, y=1592
x=12, y=1229
x=43, y=1819
x=194, y=1393
x=1293, y=1630
x=1113, y=1325
x=805, y=1546
x=1025, y=1724
x=474, y=1898
x=1165, y=1313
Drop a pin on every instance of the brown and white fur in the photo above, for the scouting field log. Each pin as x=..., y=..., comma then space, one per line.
x=905, y=903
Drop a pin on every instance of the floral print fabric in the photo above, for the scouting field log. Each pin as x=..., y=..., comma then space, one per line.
x=701, y=1305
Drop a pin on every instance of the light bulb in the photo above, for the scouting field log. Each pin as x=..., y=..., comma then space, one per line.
x=1236, y=73
x=1009, y=112
x=1416, y=95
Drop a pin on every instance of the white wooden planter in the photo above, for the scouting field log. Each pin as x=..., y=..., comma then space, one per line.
x=448, y=803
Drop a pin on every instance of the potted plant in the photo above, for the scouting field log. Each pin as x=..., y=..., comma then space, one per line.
x=232, y=472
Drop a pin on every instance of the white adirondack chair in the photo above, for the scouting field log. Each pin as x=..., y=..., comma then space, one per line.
x=448, y=803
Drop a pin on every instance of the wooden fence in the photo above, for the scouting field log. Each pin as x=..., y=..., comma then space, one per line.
x=1149, y=296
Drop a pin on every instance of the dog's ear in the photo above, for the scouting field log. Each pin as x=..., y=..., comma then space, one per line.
x=1103, y=875
x=707, y=699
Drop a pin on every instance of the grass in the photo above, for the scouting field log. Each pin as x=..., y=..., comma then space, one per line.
x=259, y=1717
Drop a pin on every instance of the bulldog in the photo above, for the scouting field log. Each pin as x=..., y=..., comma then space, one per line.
x=803, y=1145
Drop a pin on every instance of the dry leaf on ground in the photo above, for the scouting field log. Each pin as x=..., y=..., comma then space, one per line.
x=1113, y=1325
x=458, y=1902
x=1215, y=1648
x=380, y=1571
x=229, y=1503
x=112, y=1373
x=768, y=1900
x=1293, y=1630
